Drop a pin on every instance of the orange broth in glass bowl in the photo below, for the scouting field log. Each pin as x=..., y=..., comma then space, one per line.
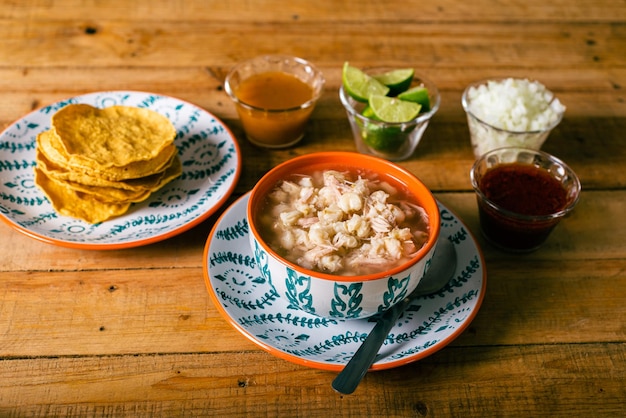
x=274, y=90
x=274, y=96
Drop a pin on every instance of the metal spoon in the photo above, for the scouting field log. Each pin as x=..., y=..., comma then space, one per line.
x=441, y=269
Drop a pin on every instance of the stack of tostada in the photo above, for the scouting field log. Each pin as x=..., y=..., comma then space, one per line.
x=93, y=163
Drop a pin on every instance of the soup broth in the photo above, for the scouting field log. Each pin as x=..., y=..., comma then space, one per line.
x=277, y=118
x=274, y=90
x=343, y=222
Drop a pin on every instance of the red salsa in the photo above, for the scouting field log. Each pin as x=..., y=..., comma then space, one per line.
x=523, y=189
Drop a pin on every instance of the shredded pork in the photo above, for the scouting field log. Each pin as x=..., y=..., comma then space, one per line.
x=330, y=223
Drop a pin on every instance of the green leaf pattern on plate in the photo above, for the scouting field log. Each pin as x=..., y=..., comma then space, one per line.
x=208, y=152
x=299, y=291
x=274, y=322
x=347, y=300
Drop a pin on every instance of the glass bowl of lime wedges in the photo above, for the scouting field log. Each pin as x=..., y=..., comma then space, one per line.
x=388, y=109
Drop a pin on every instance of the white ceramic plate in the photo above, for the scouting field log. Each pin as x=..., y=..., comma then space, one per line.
x=211, y=167
x=254, y=308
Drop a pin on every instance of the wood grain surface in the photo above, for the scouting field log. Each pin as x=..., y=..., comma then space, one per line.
x=133, y=332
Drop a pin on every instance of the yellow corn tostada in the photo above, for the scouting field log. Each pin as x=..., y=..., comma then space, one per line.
x=115, y=136
x=48, y=143
x=94, y=163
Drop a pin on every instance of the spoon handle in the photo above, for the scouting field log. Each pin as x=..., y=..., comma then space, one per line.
x=352, y=374
x=440, y=271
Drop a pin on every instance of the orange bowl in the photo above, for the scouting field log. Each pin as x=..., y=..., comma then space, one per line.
x=333, y=295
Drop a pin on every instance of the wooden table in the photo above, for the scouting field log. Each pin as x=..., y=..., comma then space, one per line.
x=133, y=332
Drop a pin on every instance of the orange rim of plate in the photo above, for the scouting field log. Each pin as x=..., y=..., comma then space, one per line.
x=150, y=240
x=337, y=367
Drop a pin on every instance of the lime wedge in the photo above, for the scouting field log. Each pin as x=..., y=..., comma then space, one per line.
x=397, y=80
x=390, y=109
x=368, y=113
x=418, y=94
x=359, y=85
x=380, y=138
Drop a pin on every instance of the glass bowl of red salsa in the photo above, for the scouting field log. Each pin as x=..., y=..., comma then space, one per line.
x=522, y=195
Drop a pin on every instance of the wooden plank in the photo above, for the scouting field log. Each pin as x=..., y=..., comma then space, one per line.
x=123, y=311
x=134, y=333
x=20, y=252
x=108, y=312
x=583, y=106
x=29, y=82
x=321, y=11
x=591, y=232
x=444, y=157
x=532, y=380
x=143, y=43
